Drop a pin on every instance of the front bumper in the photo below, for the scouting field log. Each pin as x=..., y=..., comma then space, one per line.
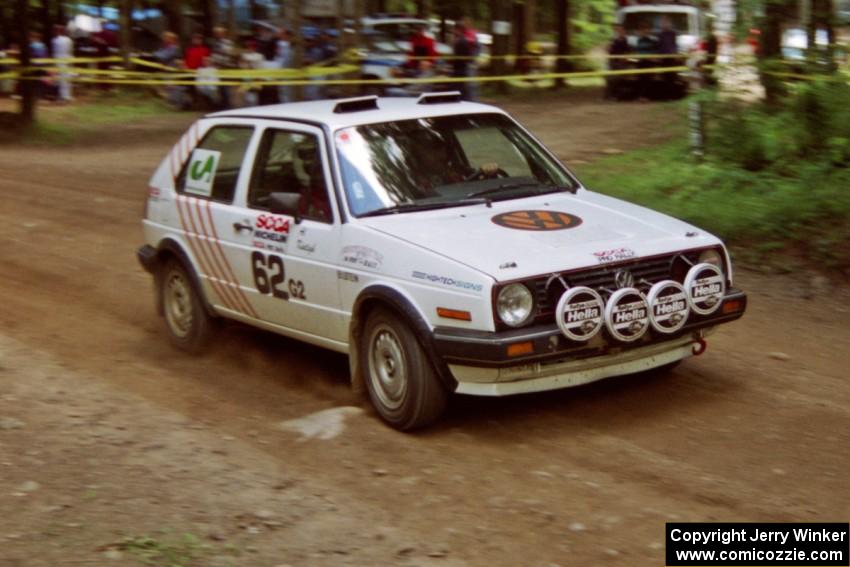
x=483, y=364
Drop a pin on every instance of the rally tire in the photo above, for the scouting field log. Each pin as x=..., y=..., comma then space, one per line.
x=403, y=387
x=187, y=321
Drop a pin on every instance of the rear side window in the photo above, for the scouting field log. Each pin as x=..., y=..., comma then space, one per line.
x=213, y=167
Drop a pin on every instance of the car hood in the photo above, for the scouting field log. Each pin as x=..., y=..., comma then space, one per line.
x=599, y=229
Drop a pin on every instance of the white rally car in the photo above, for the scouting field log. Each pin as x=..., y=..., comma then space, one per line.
x=436, y=242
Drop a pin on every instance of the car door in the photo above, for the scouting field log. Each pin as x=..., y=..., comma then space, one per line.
x=292, y=258
x=206, y=187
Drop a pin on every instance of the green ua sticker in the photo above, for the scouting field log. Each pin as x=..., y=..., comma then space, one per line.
x=201, y=173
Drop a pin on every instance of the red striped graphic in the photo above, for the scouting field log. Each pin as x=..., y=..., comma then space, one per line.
x=203, y=239
x=217, y=241
x=195, y=251
x=209, y=249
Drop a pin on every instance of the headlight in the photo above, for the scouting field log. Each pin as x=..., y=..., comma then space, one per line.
x=713, y=257
x=514, y=304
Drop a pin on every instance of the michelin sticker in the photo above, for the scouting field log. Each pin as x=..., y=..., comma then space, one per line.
x=201, y=172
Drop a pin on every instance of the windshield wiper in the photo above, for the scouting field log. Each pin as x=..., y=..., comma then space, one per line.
x=517, y=185
x=410, y=207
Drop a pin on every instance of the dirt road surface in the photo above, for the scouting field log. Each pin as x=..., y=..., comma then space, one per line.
x=115, y=448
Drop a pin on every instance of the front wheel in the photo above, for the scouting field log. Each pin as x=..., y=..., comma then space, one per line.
x=402, y=383
x=188, y=324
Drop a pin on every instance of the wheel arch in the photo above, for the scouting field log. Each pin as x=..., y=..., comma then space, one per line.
x=382, y=295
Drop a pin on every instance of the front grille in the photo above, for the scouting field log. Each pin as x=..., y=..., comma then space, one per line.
x=646, y=272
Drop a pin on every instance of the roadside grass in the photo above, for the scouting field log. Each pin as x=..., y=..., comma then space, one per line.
x=83, y=119
x=166, y=549
x=777, y=219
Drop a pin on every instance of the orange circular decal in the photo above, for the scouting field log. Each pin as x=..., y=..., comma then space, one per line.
x=537, y=220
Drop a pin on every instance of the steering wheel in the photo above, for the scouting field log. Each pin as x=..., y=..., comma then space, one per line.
x=486, y=171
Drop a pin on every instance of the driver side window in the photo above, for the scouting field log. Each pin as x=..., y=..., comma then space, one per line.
x=290, y=162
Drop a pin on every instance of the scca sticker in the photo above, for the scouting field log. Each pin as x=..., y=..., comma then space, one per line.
x=537, y=220
x=201, y=172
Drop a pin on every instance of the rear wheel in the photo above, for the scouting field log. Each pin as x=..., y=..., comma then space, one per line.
x=188, y=324
x=402, y=383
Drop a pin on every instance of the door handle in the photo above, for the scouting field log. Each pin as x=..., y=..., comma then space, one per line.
x=240, y=227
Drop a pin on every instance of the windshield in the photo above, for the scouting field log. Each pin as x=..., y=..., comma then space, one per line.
x=443, y=161
x=678, y=20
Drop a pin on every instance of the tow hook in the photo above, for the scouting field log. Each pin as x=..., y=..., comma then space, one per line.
x=699, y=347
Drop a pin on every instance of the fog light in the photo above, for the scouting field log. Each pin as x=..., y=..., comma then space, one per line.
x=732, y=306
x=519, y=349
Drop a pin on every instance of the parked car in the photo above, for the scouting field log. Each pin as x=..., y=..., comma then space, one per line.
x=688, y=22
x=435, y=242
x=387, y=46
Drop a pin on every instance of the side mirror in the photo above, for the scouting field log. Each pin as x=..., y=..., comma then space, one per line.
x=286, y=204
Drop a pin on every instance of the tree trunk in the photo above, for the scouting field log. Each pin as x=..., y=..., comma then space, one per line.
x=209, y=16
x=125, y=14
x=501, y=40
x=174, y=16
x=520, y=38
x=28, y=88
x=255, y=10
x=47, y=26
x=231, y=19
x=5, y=27
x=563, y=22
x=771, y=51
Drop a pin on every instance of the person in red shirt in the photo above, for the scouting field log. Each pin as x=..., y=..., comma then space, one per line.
x=197, y=52
x=421, y=46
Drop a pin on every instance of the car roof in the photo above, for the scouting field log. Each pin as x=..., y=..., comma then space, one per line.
x=670, y=8
x=389, y=109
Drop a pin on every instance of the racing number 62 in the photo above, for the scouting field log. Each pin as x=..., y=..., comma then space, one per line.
x=269, y=273
x=267, y=281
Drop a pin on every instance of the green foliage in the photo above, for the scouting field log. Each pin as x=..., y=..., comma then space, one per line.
x=591, y=22
x=773, y=184
x=179, y=552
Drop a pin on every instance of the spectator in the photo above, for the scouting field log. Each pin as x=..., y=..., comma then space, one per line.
x=422, y=50
x=251, y=59
x=208, y=94
x=37, y=48
x=667, y=45
x=619, y=47
x=472, y=69
x=169, y=53
x=463, y=51
x=38, y=51
x=283, y=57
x=667, y=38
x=313, y=55
x=646, y=45
x=223, y=57
x=196, y=52
x=266, y=42
x=63, y=48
